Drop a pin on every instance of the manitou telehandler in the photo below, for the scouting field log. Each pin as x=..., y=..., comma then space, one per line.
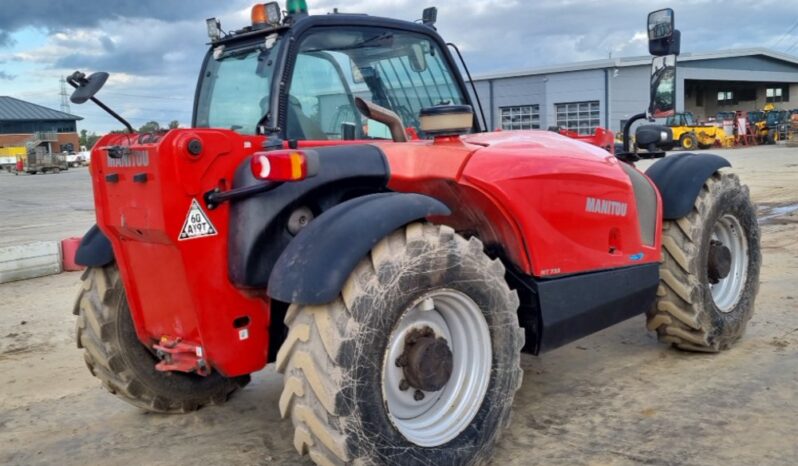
x=337, y=208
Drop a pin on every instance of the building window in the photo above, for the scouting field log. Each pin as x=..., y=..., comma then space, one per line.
x=777, y=94
x=521, y=117
x=726, y=98
x=582, y=117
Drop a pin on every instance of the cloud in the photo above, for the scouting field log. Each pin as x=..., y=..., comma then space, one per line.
x=154, y=48
x=6, y=39
x=7, y=77
x=89, y=13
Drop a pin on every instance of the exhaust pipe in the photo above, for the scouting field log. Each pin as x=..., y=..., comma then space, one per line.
x=384, y=116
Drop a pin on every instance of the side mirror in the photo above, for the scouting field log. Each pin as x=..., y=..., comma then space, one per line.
x=357, y=75
x=417, y=58
x=663, y=87
x=86, y=87
x=660, y=24
x=663, y=38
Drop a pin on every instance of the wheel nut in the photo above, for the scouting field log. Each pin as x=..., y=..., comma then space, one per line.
x=418, y=395
x=403, y=385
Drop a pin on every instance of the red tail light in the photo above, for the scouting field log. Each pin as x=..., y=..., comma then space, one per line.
x=284, y=165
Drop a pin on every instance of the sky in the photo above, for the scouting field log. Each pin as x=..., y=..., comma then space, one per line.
x=154, y=48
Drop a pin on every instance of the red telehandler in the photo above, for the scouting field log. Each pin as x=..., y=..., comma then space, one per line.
x=338, y=209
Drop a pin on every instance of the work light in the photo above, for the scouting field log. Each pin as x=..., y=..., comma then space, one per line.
x=214, y=29
x=266, y=13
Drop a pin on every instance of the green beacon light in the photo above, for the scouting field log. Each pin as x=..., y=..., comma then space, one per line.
x=296, y=7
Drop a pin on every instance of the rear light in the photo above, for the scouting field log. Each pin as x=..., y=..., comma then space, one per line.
x=285, y=165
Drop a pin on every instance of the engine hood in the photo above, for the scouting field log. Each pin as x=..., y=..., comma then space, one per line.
x=537, y=142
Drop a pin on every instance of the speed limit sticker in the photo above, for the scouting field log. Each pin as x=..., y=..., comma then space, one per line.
x=197, y=224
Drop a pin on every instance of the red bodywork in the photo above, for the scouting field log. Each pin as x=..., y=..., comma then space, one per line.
x=524, y=193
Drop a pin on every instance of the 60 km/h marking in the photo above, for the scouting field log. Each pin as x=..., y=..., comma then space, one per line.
x=197, y=224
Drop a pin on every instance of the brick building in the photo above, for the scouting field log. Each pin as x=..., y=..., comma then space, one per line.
x=23, y=123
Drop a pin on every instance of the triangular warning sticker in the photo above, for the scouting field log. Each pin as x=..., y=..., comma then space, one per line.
x=197, y=224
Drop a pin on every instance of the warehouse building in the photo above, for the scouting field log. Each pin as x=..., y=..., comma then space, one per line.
x=26, y=124
x=607, y=92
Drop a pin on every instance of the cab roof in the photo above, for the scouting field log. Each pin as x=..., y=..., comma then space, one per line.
x=297, y=24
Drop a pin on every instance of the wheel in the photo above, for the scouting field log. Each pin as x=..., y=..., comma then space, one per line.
x=55, y=171
x=688, y=141
x=126, y=368
x=709, y=276
x=416, y=362
x=32, y=172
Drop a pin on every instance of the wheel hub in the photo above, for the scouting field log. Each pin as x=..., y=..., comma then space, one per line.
x=427, y=361
x=727, y=262
x=720, y=260
x=442, y=346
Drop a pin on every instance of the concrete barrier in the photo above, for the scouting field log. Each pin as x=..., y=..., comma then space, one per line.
x=30, y=260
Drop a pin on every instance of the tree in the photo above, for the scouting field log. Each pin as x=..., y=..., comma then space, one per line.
x=92, y=140
x=87, y=139
x=150, y=127
x=174, y=124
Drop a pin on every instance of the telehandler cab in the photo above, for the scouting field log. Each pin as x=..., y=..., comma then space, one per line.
x=337, y=208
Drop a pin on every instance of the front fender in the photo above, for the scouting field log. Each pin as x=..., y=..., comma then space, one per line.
x=679, y=179
x=313, y=268
x=94, y=250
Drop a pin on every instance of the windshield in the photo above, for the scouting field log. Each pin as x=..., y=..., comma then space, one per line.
x=235, y=87
x=399, y=70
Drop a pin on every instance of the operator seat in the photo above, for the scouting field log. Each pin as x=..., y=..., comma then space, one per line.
x=299, y=126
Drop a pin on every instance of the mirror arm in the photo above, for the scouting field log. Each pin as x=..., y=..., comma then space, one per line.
x=113, y=114
x=627, y=128
x=76, y=83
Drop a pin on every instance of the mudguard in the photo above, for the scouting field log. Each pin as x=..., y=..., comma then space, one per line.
x=258, y=233
x=94, y=250
x=313, y=268
x=679, y=179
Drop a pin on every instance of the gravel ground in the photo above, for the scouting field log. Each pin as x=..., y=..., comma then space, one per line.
x=615, y=398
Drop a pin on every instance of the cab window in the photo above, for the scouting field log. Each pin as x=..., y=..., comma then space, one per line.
x=399, y=70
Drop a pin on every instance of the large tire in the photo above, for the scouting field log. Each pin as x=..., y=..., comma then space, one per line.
x=686, y=314
x=688, y=141
x=334, y=357
x=125, y=367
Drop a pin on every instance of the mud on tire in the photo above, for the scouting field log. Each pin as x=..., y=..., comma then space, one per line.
x=685, y=313
x=333, y=356
x=125, y=367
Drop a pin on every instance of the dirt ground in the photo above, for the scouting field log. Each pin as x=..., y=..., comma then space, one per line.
x=615, y=398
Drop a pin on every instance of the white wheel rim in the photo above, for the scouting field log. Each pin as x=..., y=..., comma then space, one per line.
x=440, y=416
x=727, y=292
